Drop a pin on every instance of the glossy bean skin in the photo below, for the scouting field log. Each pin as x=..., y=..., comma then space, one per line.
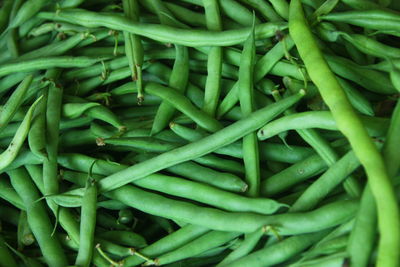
x=208, y=195
x=352, y=127
x=288, y=224
x=163, y=33
x=199, y=148
x=38, y=218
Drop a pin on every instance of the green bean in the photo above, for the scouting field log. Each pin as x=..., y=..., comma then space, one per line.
x=246, y=97
x=53, y=113
x=134, y=47
x=371, y=19
x=332, y=246
x=36, y=135
x=289, y=224
x=29, y=9
x=8, y=194
x=168, y=243
x=369, y=79
x=326, y=183
x=240, y=14
x=6, y=257
x=9, y=155
x=199, y=173
x=178, y=80
x=223, y=137
x=14, y=101
x=208, y=195
x=352, y=127
x=319, y=119
x=146, y=144
x=12, y=34
x=214, y=62
x=294, y=174
x=24, y=157
x=364, y=230
x=124, y=238
x=111, y=205
x=53, y=49
x=46, y=63
x=88, y=224
x=38, y=219
x=35, y=27
x=278, y=10
x=163, y=33
x=207, y=241
x=27, y=45
x=356, y=98
x=279, y=252
x=186, y=15
x=370, y=46
x=244, y=248
x=221, y=164
x=389, y=148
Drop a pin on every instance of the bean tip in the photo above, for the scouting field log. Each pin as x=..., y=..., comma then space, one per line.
x=100, y=141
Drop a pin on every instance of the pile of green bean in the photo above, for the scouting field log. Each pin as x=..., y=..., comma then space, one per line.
x=199, y=133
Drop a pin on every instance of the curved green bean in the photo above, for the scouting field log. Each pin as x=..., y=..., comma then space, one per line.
x=352, y=127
